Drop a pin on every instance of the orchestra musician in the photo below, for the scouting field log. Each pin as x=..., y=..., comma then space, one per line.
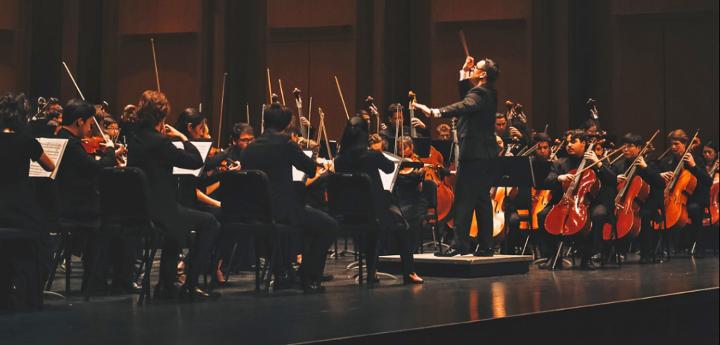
x=396, y=125
x=599, y=210
x=275, y=153
x=151, y=150
x=632, y=145
x=79, y=202
x=26, y=264
x=412, y=198
x=699, y=199
x=355, y=157
x=478, y=150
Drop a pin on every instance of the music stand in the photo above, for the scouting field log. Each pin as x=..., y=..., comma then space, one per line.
x=522, y=172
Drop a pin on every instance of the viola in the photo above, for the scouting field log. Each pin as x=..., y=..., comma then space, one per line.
x=570, y=215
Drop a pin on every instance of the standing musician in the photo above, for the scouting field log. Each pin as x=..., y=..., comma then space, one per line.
x=397, y=126
x=510, y=135
x=599, y=210
x=275, y=153
x=355, y=157
x=151, y=150
x=478, y=150
x=698, y=201
x=20, y=268
x=78, y=194
x=632, y=145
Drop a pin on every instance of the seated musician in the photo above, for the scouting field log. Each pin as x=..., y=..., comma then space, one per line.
x=20, y=267
x=632, y=145
x=376, y=143
x=355, y=157
x=151, y=150
x=397, y=126
x=599, y=209
x=78, y=194
x=510, y=135
x=275, y=153
x=699, y=200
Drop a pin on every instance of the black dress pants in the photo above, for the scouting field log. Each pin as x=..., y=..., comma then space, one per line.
x=472, y=194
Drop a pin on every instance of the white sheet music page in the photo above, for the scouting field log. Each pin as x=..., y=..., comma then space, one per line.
x=203, y=147
x=54, y=148
x=388, y=180
x=297, y=175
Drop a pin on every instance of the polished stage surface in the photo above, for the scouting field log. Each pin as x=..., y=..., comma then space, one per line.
x=346, y=311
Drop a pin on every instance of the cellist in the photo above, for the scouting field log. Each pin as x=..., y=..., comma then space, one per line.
x=694, y=163
x=632, y=145
x=577, y=150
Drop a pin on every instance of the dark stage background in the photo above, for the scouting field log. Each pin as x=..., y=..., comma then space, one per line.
x=650, y=64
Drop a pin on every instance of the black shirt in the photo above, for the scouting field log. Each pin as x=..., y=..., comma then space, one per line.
x=368, y=162
x=16, y=151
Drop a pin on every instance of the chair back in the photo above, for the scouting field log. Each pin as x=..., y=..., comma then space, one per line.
x=124, y=196
x=350, y=197
x=245, y=197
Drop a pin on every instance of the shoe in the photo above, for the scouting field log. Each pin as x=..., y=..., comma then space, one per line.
x=450, y=253
x=483, y=252
x=197, y=293
x=326, y=277
x=588, y=265
x=413, y=278
x=547, y=265
x=313, y=288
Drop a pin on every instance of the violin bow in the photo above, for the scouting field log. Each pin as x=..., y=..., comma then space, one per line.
x=342, y=99
x=154, y=54
x=282, y=93
x=269, y=84
x=222, y=107
x=67, y=69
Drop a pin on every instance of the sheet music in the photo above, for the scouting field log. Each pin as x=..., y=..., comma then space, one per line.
x=54, y=148
x=297, y=175
x=388, y=180
x=203, y=147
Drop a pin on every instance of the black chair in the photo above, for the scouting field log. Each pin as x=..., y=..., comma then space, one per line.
x=350, y=202
x=66, y=228
x=125, y=209
x=430, y=219
x=246, y=207
x=10, y=235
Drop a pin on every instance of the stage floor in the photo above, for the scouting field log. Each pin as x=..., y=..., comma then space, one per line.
x=345, y=310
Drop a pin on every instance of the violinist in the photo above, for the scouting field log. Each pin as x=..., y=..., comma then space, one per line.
x=409, y=189
x=21, y=268
x=355, y=157
x=112, y=130
x=478, y=152
x=599, y=210
x=78, y=197
x=376, y=143
x=632, y=146
x=542, y=150
x=151, y=150
x=699, y=199
x=710, y=154
x=275, y=153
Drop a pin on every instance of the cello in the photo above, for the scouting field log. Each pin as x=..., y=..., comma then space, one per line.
x=714, y=207
x=570, y=215
x=681, y=185
x=627, y=210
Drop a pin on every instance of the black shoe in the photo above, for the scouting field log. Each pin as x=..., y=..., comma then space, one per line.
x=313, y=288
x=588, y=265
x=483, y=252
x=197, y=293
x=450, y=253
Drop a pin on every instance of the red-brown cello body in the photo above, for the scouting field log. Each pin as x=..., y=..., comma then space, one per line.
x=627, y=210
x=570, y=215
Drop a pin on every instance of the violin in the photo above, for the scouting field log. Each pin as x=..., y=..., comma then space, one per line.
x=627, y=209
x=570, y=215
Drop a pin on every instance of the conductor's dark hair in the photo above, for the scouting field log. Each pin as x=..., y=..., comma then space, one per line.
x=491, y=69
x=277, y=117
x=14, y=108
x=77, y=109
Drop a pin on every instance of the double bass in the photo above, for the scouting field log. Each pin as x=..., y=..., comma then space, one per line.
x=627, y=210
x=570, y=215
